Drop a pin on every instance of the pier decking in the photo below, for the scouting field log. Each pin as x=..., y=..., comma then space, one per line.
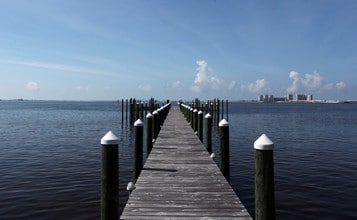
x=180, y=180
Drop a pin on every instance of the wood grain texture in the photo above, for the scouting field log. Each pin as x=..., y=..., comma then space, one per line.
x=180, y=180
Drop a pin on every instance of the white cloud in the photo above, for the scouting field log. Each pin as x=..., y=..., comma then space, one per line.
x=341, y=85
x=206, y=79
x=232, y=84
x=258, y=85
x=145, y=88
x=177, y=85
x=32, y=86
x=310, y=82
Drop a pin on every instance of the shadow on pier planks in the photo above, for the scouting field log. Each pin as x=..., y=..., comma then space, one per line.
x=181, y=181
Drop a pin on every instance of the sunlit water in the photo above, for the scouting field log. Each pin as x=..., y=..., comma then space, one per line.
x=50, y=157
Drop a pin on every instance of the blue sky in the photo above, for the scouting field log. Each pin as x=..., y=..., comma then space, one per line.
x=105, y=50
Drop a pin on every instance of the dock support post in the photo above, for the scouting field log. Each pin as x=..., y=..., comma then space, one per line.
x=191, y=117
x=122, y=111
x=155, y=124
x=224, y=147
x=148, y=134
x=200, y=125
x=195, y=120
x=138, y=148
x=208, y=118
x=109, y=177
x=227, y=109
x=264, y=178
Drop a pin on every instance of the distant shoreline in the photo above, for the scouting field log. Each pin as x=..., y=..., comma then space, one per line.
x=232, y=101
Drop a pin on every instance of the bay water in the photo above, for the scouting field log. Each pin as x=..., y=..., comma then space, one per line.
x=50, y=157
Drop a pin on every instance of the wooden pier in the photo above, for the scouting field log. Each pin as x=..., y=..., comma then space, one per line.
x=180, y=180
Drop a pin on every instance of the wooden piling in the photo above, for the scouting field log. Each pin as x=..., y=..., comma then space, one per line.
x=224, y=148
x=227, y=109
x=149, y=135
x=195, y=120
x=155, y=125
x=200, y=125
x=208, y=118
x=122, y=111
x=264, y=179
x=109, y=177
x=138, y=148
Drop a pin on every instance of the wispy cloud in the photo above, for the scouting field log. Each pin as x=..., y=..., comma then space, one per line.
x=177, y=85
x=311, y=82
x=257, y=86
x=61, y=67
x=145, y=88
x=206, y=79
x=32, y=86
x=341, y=85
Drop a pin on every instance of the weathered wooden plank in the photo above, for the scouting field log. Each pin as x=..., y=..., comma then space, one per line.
x=181, y=181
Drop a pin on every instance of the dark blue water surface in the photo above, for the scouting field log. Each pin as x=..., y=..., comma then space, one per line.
x=50, y=157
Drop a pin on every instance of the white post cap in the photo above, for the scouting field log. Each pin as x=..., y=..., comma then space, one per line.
x=155, y=112
x=109, y=139
x=200, y=112
x=223, y=123
x=208, y=115
x=138, y=122
x=195, y=110
x=263, y=143
x=149, y=115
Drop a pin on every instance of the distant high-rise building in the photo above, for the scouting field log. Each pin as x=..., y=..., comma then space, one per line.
x=309, y=97
x=290, y=97
x=301, y=97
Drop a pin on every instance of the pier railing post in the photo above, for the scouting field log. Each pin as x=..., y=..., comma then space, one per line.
x=149, y=135
x=264, y=179
x=109, y=177
x=200, y=125
x=195, y=120
x=155, y=125
x=224, y=148
x=208, y=118
x=138, y=148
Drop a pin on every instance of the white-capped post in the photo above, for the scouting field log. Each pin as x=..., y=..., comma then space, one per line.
x=138, y=148
x=109, y=177
x=224, y=148
x=200, y=125
x=264, y=178
x=149, y=136
x=195, y=120
x=208, y=118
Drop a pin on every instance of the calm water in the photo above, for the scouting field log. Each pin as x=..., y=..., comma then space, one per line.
x=50, y=157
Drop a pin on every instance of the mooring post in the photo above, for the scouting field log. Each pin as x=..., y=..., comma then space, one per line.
x=222, y=109
x=227, y=109
x=155, y=125
x=224, y=147
x=122, y=111
x=126, y=109
x=191, y=117
x=195, y=120
x=264, y=179
x=200, y=125
x=138, y=148
x=208, y=118
x=109, y=177
x=149, y=136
